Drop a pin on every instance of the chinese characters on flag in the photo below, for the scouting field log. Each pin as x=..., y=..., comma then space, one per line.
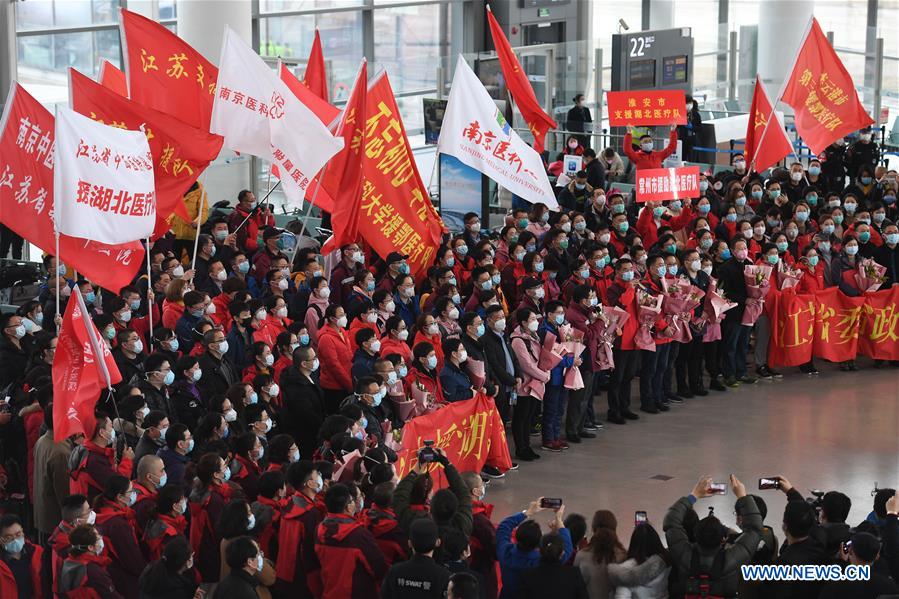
x=519, y=87
x=27, y=155
x=397, y=213
x=658, y=184
x=78, y=376
x=165, y=72
x=765, y=145
x=180, y=152
x=642, y=107
x=822, y=94
x=102, y=181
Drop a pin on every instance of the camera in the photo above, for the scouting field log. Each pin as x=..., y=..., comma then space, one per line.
x=552, y=503
x=768, y=483
x=718, y=488
x=640, y=518
x=427, y=454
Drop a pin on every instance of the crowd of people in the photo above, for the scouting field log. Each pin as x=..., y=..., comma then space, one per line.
x=223, y=454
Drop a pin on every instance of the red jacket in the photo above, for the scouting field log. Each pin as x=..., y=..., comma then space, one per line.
x=391, y=345
x=91, y=466
x=160, y=531
x=483, y=547
x=270, y=329
x=649, y=230
x=356, y=326
x=222, y=316
x=434, y=340
x=59, y=549
x=171, y=313
x=246, y=473
x=206, y=505
x=661, y=324
x=391, y=539
x=268, y=536
x=352, y=563
x=812, y=279
x=336, y=358
x=297, y=566
x=652, y=159
x=623, y=295
x=8, y=585
x=85, y=577
x=246, y=236
x=118, y=526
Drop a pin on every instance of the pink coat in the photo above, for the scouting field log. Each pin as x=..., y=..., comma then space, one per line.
x=527, y=350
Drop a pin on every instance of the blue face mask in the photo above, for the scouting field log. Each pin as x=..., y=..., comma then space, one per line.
x=169, y=378
x=584, y=273
x=560, y=319
x=627, y=276
x=672, y=270
x=725, y=254
x=432, y=362
x=774, y=193
x=704, y=209
x=538, y=266
x=481, y=330
x=660, y=271
x=814, y=171
x=403, y=371
x=451, y=261
x=370, y=286
x=303, y=339
x=90, y=297
x=254, y=397
x=244, y=267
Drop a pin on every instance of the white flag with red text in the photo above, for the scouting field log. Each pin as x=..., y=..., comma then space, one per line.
x=258, y=114
x=475, y=131
x=103, y=184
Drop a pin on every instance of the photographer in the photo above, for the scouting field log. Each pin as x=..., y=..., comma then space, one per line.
x=450, y=507
x=800, y=547
x=708, y=556
x=522, y=554
x=765, y=553
x=861, y=550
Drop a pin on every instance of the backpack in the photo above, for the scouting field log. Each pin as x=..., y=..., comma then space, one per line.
x=704, y=583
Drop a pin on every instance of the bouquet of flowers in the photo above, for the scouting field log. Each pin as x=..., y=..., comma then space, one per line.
x=649, y=308
x=758, y=284
x=425, y=402
x=551, y=353
x=787, y=276
x=870, y=275
x=572, y=342
x=679, y=300
x=713, y=312
x=606, y=331
x=477, y=372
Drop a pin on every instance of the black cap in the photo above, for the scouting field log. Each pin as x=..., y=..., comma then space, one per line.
x=531, y=282
x=395, y=257
x=270, y=232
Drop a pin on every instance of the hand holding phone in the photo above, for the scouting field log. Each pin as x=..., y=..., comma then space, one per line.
x=769, y=483
x=640, y=518
x=551, y=503
x=717, y=488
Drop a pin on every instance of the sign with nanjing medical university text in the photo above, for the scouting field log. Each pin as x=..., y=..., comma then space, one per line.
x=643, y=107
x=658, y=184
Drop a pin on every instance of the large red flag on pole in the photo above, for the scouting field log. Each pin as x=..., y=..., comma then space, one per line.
x=27, y=150
x=315, y=77
x=111, y=77
x=79, y=375
x=538, y=121
x=180, y=152
x=762, y=150
x=343, y=175
x=822, y=94
x=165, y=72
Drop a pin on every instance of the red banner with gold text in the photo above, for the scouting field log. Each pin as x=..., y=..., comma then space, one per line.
x=396, y=213
x=471, y=433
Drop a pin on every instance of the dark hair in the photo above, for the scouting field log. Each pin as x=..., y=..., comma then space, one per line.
x=239, y=550
x=645, y=543
x=444, y=505
x=453, y=542
x=799, y=518
x=577, y=527
x=167, y=497
x=337, y=498
x=115, y=485
x=156, y=579
x=279, y=448
x=233, y=520
x=270, y=483
x=880, y=501
x=835, y=506
x=604, y=543
x=527, y=535
x=382, y=496
x=709, y=532
x=82, y=537
x=551, y=548
x=465, y=586
x=175, y=434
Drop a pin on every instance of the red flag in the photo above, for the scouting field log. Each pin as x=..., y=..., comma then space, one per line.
x=180, y=152
x=396, y=212
x=78, y=376
x=343, y=175
x=165, y=72
x=315, y=77
x=762, y=150
x=538, y=121
x=822, y=94
x=26, y=195
x=111, y=77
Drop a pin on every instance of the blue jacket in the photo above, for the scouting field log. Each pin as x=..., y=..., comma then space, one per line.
x=409, y=313
x=174, y=463
x=455, y=382
x=557, y=374
x=363, y=364
x=513, y=561
x=184, y=329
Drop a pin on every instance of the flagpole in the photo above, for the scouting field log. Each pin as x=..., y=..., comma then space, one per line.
x=56, y=234
x=149, y=303
x=193, y=261
x=254, y=210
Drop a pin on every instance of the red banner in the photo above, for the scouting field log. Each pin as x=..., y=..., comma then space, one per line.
x=519, y=87
x=165, y=72
x=471, y=433
x=111, y=77
x=833, y=326
x=658, y=184
x=822, y=93
x=396, y=212
x=646, y=107
x=180, y=152
x=26, y=195
x=315, y=78
x=763, y=150
x=78, y=377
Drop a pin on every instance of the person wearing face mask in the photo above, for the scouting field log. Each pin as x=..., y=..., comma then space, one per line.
x=407, y=302
x=93, y=463
x=319, y=300
x=167, y=523
x=795, y=185
x=577, y=194
x=368, y=345
x=21, y=561
x=304, y=400
x=247, y=465
x=453, y=377
x=396, y=338
x=539, y=220
x=689, y=133
x=85, y=572
x=156, y=425
x=117, y=523
x=129, y=356
x=296, y=566
x=578, y=119
x=158, y=377
x=647, y=157
x=336, y=354
x=555, y=397
x=447, y=317
x=185, y=392
x=219, y=373
x=502, y=362
x=595, y=169
x=343, y=274
x=654, y=363
x=131, y=411
x=862, y=152
x=690, y=355
x=833, y=165
x=735, y=336
x=526, y=345
x=888, y=254
x=211, y=492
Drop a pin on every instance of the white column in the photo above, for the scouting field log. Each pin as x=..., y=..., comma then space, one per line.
x=201, y=23
x=145, y=8
x=778, y=39
x=661, y=14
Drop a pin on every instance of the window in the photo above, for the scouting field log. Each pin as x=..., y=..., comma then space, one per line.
x=407, y=44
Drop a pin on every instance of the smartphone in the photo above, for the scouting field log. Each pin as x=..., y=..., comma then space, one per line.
x=552, y=503
x=640, y=518
x=718, y=488
x=768, y=483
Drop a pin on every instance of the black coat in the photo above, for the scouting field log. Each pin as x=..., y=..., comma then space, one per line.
x=496, y=359
x=12, y=363
x=730, y=279
x=131, y=370
x=552, y=580
x=218, y=376
x=418, y=578
x=596, y=174
x=304, y=408
x=806, y=552
x=236, y=585
x=158, y=399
